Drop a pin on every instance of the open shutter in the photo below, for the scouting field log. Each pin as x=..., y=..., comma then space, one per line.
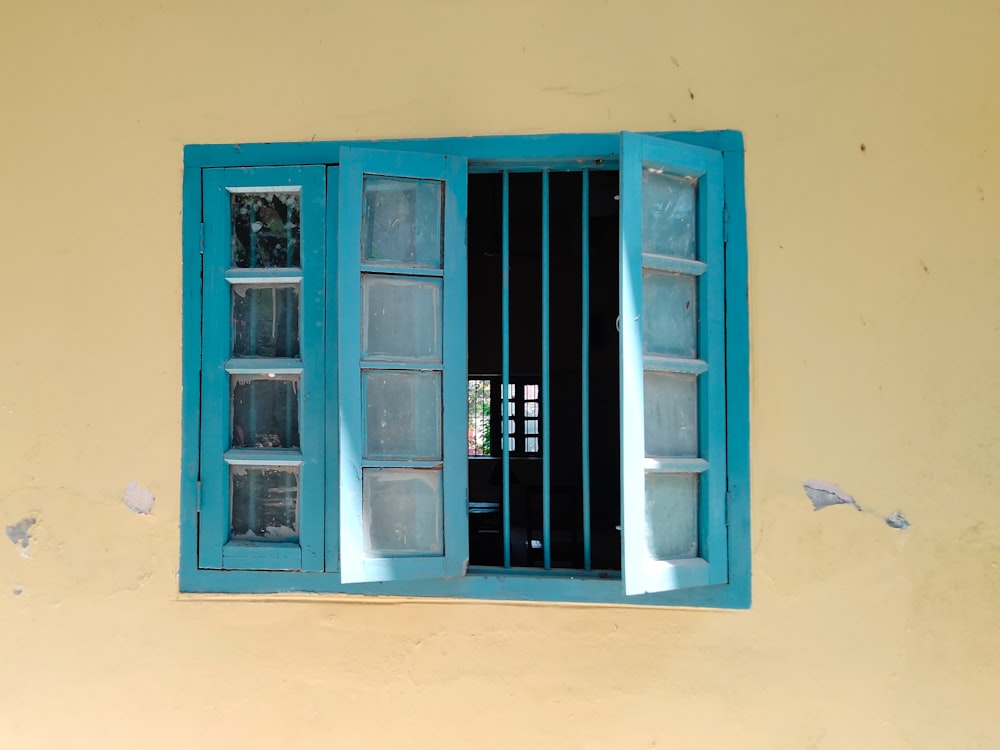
x=672, y=308
x=262, y=369
x=402, y=360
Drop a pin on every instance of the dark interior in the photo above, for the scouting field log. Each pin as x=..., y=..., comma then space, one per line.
x=565, y=358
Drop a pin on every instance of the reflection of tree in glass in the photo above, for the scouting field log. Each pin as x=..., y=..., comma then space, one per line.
x=265, y=229
x=265, y=504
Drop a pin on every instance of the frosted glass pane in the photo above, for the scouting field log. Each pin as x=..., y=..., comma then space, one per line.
x=265, y=504
x=531, y=445
x=402, y=221
x=669, y=314
x=402, y=414
x=265, y=321
x=400, y=318
x=672, y=515
x=265, y=229
x=265, y=411
x=670, y=414
x=668, y=213
x=531, y=409
x=402, y=511
x=531, y=427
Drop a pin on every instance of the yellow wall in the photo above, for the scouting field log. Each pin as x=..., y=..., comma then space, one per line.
x=875, y=319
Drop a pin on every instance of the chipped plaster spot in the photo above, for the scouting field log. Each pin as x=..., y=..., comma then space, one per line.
x=898, y=521
x=18, y=590
x=18, y=533
x=824, y=494
x=138, y=499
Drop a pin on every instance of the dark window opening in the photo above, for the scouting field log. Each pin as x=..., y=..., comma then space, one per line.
x=568, y=383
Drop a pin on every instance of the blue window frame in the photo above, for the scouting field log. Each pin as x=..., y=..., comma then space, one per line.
x=326, y=297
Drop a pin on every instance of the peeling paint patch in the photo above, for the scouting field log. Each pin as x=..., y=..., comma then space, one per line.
x=898, y=521
x=824, y=494
x=18, y=532
x=18, y=590
x=138, y=499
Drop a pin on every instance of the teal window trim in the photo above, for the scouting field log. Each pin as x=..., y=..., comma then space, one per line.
x=484, y=155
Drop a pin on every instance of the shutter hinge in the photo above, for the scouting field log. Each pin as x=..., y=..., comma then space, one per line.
x=201, y=238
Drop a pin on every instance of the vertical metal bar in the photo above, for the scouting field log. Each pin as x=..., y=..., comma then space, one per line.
x=546, y=391
x=585, y=368
x=505, y=365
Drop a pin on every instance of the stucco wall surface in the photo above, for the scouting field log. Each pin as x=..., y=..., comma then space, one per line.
x=873, y=181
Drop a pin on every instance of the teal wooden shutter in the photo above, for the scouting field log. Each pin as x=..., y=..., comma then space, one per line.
x=672, y=308
x=262, y=369
x=402, y=361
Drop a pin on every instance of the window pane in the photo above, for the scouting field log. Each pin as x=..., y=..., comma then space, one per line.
x=531, y=392
x=265, y=504
x=265, y=229
x=479, y=417
x=672, y=515
x=531, y=445
x=671, y=414
x=402, y=221
x=265, y=321
x=403, y=414
x=402, y=511
x=668, y=213
x=400, y=317
x=265, y=411
x=531, y=409
x=669, y=312
x=531, y=427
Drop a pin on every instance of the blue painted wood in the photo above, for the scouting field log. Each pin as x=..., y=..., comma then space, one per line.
x=357, y=565
x=331, y=459
x=263, y=366
x=485, y=153
x=674, y=265
x=674, y=364
x=641, y=572
x=261, y=556
x=675, y=465
x=263, y=457
x=191, y=230
x=216, y=424
x=738, y=590
x=505, y=365
x=546, y=385
x=585, y=368
x=591, y=150
x=263, y=276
